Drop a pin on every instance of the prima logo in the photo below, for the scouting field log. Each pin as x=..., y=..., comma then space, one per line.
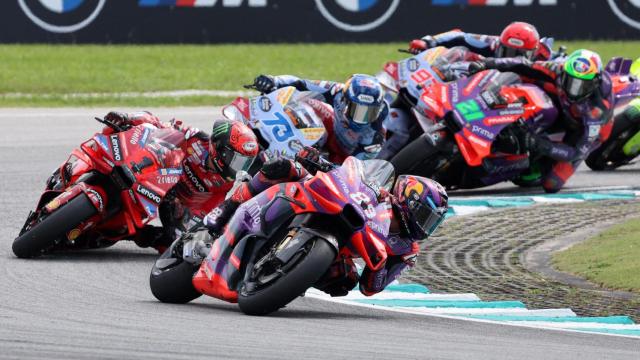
x=357, y=15
x=62, y=16
x=627, y=10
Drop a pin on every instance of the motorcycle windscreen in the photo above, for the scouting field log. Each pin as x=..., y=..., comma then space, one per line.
x=378, y=174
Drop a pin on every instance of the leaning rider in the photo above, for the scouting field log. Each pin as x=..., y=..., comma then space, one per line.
x=418, y=206
x=517, y=39
x=583, y=91
x=359, y=110
x=209, y=170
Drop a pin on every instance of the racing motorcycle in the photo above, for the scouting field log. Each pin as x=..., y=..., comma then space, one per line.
x=284, y=121
x=473, y=130
x=281, y=242
x=108, y=189
x=623, y=145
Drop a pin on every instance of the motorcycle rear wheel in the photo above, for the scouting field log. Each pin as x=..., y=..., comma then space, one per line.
x=293, y=283
x=45, y=234
x=418, y=158
x=610, y=154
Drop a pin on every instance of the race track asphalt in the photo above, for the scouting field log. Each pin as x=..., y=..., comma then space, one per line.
x=97, y=304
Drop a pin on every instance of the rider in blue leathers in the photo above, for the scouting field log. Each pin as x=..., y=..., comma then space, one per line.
x=359, y=110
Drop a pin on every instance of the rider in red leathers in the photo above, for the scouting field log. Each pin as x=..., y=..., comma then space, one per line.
x=209, y=169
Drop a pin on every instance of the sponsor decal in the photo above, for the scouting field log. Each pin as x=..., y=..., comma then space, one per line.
x=194, y=179
x=413, y=64
x=253, y=212
x=52, y=205
x=102, y=141
x=250, y=146
x=73, y=234
x=515, y=42
x=115, y=147
x=284, y=95
x=167, y=180
x=170, y=171
x=264, y=103
x=312, y=134
x=357, y=15
x=476, y=140
x=148, y=193
x=96, y=196
x=455, y=96
x=470, y=110
x=62, y=16
x=482, y=131
x=494, y=2
x=594, y=131
x=473, y=84
x=499, y=120
x=367, y=99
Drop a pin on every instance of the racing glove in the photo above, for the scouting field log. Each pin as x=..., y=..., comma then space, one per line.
x=217, y=218
x=265, y=83
x=309, y=157
x=118, y=118
x=417, y=46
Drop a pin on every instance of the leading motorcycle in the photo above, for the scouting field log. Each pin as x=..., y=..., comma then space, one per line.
x=282, y=241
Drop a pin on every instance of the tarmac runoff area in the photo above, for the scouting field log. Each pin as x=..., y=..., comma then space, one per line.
x=97, y=304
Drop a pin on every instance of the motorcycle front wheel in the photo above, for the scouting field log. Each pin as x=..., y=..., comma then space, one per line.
x=260, y=296
x=171, y=279
x=47, y=231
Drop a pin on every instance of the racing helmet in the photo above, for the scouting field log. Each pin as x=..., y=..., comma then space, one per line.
x=581, y=75
x=422, y=204
x=518, y=39
x=232, y=147
x=363, y=99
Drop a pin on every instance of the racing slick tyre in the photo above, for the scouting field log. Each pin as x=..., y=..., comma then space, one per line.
x=295, y=277
x=173, y=283
x=46, y=233
x=418, y=158
x=610, y=155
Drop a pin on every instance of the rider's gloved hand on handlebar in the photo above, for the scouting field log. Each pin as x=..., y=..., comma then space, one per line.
x=264, y=83
x=417, y=46
x=117, y=118
x=309, y=158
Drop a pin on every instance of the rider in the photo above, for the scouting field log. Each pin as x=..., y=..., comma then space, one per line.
x=359, y=110
x=578, y=86
x=418, y=208
x=517, y=39
x=209, y=170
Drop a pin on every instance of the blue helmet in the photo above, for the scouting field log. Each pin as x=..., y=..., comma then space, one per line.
x=364, y=99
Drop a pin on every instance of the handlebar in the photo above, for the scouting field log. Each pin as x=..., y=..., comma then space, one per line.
x=115, y=127
x=405, y=51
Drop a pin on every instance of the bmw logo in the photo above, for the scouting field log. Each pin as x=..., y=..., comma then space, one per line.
x=62, y=16
x=357, y=15
x=627, y=10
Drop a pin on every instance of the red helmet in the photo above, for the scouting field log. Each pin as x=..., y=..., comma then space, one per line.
x=518, y=39
x=232, y=147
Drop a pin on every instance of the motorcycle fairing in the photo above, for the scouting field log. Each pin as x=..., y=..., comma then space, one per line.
x=221, y=273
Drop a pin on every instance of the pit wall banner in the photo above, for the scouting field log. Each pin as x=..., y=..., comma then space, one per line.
x=220, y=21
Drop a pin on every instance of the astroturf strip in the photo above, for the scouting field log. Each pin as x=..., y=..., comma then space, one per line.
x=442, y=304
x=596, y=319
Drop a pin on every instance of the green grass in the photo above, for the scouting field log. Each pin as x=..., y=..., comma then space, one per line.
x=64, y=69
x=611, y=258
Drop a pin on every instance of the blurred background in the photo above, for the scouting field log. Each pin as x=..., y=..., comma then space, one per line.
x=99, y=52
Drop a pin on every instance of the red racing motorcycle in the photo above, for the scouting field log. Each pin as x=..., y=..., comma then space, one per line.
x=108, y=189
x=282, y=241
